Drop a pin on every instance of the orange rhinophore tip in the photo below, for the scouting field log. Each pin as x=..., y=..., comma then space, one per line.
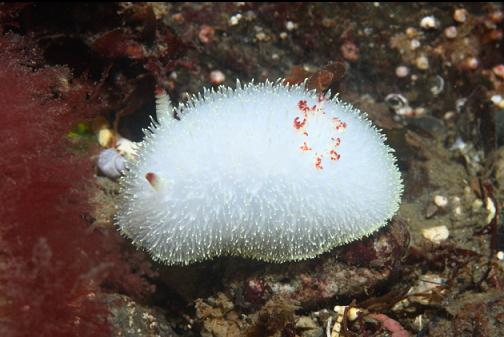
x=158, y=91
x=153, y=180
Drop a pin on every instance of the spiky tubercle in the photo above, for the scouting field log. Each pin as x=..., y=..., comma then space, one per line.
x=238, y=176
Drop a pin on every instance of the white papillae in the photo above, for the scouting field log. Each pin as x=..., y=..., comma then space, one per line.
x=239, y=175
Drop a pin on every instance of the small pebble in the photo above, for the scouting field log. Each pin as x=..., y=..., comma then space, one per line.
x=261, y=36
x=470, y=63
x=402, y=71
x=411, y=32
x=217, y=77
x=450, y=32
x=500, y=255
x=431, y=211
x=436, y=234
x=289, y=25
x=414, y=44
x=105, y=137
x=490, y=206
x=440, y=201
x=460, y=15
x=498, y=101
x=498, y=70
x=468, y=191
x=235, y=19
x=477, y=204
x=449, y=115
x=422, y=62
x=419, y=111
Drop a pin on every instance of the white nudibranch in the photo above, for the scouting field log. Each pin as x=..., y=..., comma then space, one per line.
x=266, y=171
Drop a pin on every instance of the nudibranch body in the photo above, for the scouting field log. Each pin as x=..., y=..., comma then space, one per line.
x=267, y=171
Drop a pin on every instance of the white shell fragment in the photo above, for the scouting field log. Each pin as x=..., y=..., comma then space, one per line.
x=500, y=255
x=402, y=71
x=111, y=163
x=266, y=171
x=490, y=206
x=436, y=234
x=105, y=137
x=429, y=22
x=352, y=314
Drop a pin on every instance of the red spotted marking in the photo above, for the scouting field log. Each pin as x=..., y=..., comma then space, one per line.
x=338, y=124
x=337, y=141
x=303, y=106
x=297, y=124
x=318, y=162
x=305, y=147
x=334, y=155
x=301, y=123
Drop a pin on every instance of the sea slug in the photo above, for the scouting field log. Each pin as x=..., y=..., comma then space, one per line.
x=267, y=171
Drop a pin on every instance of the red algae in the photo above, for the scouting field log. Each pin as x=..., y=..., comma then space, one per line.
x=52, y=264
x=53, y=281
